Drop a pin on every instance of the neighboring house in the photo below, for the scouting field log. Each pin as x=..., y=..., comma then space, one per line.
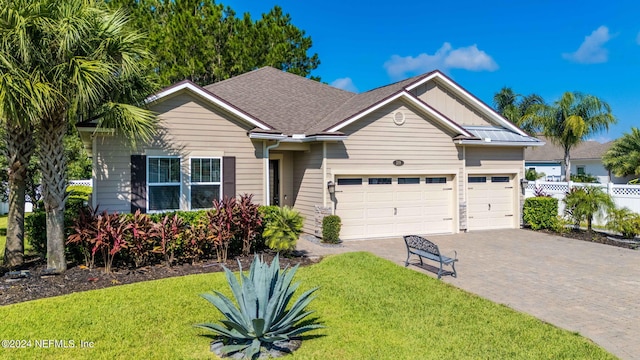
x=418, y=156
x=586, y=158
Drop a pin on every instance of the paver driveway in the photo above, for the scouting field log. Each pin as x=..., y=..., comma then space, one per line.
x=590, y=288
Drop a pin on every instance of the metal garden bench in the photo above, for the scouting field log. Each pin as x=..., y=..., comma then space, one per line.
x=423, y=248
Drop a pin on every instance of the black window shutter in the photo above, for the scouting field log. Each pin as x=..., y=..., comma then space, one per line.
x=139, y=183
x=229, y=176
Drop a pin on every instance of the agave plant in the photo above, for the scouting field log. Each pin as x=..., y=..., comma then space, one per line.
x=263, y=317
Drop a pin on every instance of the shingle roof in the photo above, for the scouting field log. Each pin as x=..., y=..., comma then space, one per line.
x=588, y=150
x=287, y=102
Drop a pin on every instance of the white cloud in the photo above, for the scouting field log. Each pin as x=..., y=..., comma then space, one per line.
x=344, y=84
x=591, y=51
x=445, y=58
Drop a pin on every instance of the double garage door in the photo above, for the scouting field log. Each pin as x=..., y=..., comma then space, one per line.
x=387, y=206
x=384, y=206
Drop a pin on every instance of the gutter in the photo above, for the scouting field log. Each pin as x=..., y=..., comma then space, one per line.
x=499, y=143
x=296, y=138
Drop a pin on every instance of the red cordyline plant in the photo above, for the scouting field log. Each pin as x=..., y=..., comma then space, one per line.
x=110, y=237
x=84, y=234
x=221, y=225
x=247, y=221
x=138, y=235
x=104, y=233
x=168, y=232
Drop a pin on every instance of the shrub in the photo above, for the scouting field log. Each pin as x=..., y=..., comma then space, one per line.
x=562, y=225
x=533, y=175
x=625, y=222
x=584, y=178
x=248, y=222
x=541, y=212
x=36, y=228
x=221, y=226
x=83, y=235
x=283, y=229
x=82, y=192
x=168, y=235
x=263, y=317
x=331, y=225
x=139, y=231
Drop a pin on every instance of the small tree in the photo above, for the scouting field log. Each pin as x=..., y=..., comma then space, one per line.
x=583, y=203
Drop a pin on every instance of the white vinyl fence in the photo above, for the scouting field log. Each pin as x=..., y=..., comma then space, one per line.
x=623, y=195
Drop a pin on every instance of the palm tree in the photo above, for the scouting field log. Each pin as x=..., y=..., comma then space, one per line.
x=507, y=104
x=19, y=81
x=623, y=157
x=90, y=59
x=583, y=203
x=571, y=120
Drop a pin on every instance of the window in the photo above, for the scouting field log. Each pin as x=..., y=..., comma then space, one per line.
x=350, y=181
x=477, y=179
x=436, y=180
x=163, y=183
x=205, y=182
x=403, y=181
x=499, y=179
x=379, y=181
x=581, y=170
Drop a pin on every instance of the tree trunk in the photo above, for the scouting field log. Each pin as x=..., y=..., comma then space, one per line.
x=19, y=149
x=53, y=166
x=567, y=165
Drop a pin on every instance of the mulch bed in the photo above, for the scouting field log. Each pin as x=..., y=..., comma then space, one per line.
x=597, y=237
x=35, y=284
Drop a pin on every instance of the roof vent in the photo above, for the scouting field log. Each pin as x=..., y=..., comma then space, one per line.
x=398, y=118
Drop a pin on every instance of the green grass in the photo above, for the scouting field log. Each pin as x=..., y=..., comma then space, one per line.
x=372, y=309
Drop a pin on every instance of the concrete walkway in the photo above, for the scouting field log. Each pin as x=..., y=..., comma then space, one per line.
x=589, y=288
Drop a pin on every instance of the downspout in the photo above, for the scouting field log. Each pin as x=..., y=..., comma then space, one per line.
x=324, y=174
x=266, y=166
x=464, y=188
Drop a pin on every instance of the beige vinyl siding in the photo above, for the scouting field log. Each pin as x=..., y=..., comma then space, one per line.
x=308, y=184
x=112, y=174
x=449, y=104
x=188, y=127
x=492, y=158
x=376, y=141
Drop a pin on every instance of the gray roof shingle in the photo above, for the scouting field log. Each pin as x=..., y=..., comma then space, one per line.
x=287, y=102
x=588, y=150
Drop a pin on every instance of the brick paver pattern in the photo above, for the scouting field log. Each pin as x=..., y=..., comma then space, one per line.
x=589, y=288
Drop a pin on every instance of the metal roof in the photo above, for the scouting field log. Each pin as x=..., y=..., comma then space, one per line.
x=490, y=134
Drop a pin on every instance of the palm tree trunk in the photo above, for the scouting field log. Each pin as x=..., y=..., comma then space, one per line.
x=19, y=149
x=567, y=165
x=53, y=166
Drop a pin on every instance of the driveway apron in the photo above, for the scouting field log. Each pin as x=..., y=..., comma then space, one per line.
x=589, y=288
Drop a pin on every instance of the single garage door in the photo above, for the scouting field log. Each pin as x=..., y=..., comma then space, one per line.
x=385, y=206
x=490, y=202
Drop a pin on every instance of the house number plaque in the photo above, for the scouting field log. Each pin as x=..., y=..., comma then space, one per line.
x=398, y=162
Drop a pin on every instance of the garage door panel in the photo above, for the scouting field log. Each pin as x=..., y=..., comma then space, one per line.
x=490, y=204
x=383, y=210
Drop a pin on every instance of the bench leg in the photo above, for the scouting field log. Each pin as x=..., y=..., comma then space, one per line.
x=453, y=266
x=406, y=263
x=440, y=272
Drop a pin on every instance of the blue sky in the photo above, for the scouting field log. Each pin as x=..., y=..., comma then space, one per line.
x=545, y=47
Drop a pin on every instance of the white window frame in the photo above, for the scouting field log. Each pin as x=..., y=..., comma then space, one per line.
x=191, y=183
x=149, y=184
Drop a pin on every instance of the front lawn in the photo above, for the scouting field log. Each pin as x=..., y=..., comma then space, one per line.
x=372, y=309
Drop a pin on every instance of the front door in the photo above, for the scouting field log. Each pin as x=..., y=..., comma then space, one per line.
x=274, y=181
